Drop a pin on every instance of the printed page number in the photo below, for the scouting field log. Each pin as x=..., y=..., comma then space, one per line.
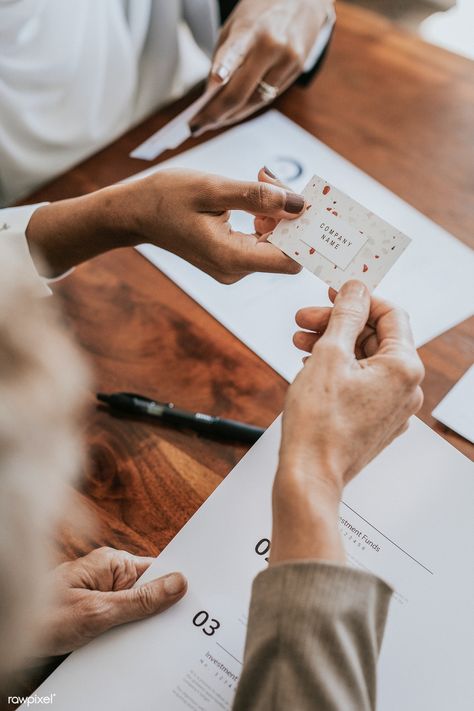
x=209, y=625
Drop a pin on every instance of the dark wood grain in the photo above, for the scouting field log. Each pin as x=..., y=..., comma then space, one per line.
x=400, y=110
x=142, y=333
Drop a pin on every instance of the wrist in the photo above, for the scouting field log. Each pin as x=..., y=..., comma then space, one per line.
x=118, y=218
x=319, y=473
x=68, y=232
x=306, y=515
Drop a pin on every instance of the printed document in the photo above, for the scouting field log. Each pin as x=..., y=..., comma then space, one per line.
x=407, y=518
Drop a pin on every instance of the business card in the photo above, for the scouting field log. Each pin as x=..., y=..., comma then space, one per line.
x=339, y=239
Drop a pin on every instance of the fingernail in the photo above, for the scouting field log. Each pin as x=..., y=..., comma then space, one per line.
x=353, y=288
x=174, y=584
x=294, y=203
x=268, y=172
x=222, y=73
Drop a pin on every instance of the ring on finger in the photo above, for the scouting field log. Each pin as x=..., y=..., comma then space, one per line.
x=267, y=91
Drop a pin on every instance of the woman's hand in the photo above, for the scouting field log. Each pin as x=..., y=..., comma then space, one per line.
x=185, y=212
x=354, y=395
x=262, y=41
x=94, y=593
x=191, y=219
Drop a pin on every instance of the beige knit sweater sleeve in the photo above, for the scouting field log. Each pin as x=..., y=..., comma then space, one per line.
x=314, y=635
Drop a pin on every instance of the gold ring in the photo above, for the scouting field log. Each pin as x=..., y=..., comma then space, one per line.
x=267, y=91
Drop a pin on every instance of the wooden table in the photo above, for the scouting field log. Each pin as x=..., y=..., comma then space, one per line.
x=399, y=109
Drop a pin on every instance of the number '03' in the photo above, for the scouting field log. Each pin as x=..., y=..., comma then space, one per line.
x=209, y=625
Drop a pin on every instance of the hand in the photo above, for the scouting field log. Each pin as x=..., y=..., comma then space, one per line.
x=354, y=395
x=185, y=212
x=263, y=40
x=193, y=221
x=94, y=593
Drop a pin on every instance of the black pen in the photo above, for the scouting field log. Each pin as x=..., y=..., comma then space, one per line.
x=173, y=416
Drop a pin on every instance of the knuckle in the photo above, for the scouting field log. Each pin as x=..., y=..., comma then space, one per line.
x=277, y=45
x=266, y=40
x=346, y=312
x=418, y=400
x=92, y=617
x=292, y=56
x=411, y=372
x=263, y=197
x=329, y=348
x=105, y=552
x=271, y=42
x=252, y=194
x=403, y=313
x=146, y=601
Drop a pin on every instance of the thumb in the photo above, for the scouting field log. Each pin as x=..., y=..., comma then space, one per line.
x=264, y=224
x=145, y=600
x=258, y=198
x=348, y=316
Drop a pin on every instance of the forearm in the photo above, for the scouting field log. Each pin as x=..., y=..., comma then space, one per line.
x=66, y=233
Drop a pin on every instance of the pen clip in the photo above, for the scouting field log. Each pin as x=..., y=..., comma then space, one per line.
x=148, y=400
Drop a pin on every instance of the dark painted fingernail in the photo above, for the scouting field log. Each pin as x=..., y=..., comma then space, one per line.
x=294, y=203
x=268, y=172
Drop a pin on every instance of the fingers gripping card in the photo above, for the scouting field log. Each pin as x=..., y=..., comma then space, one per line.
x=338, y=239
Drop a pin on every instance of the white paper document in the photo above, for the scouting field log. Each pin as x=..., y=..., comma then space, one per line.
x=175, y=131
x=407, y=518
x=432, y=280
x=456, y=409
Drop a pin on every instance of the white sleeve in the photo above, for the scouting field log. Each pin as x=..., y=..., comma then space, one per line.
x=202, y=17
x=13, y=224
x=321, y=40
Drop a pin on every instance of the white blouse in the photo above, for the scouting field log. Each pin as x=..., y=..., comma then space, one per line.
x=75, y=74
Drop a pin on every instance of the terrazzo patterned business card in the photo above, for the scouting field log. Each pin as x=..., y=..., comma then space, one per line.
x=338, y=239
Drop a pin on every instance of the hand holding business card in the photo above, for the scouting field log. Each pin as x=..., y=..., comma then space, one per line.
x=338, y=239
